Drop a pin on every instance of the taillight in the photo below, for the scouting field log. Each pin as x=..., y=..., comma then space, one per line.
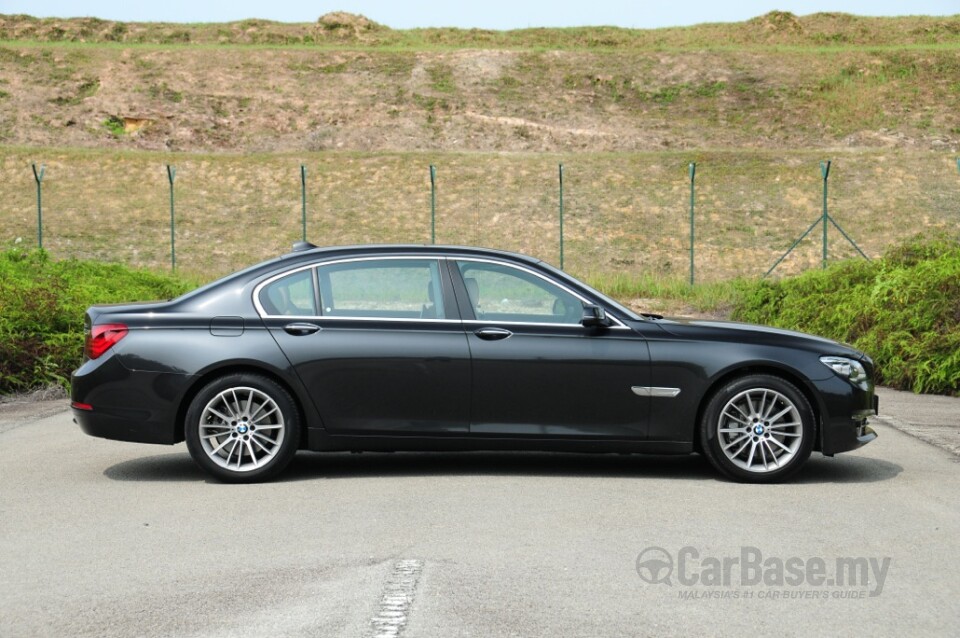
x=103, y=337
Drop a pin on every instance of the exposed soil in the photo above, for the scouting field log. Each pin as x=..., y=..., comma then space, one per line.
x=347, y=83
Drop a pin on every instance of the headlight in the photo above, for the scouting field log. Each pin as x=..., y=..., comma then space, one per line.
x=849, y=369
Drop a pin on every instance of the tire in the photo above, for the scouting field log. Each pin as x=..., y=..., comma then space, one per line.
x=243, y=428
x=758, y=429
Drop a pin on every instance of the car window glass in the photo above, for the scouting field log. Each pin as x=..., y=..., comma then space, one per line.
x=503, y=293
x=292, y=295
x=388, y=289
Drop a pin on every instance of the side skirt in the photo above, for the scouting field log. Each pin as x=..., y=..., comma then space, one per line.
x=320, y=441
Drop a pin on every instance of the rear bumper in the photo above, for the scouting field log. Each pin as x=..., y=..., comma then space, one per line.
x=125, y=405
x=122, y=425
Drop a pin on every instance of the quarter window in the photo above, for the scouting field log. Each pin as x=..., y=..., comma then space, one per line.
x=387, y=289
x=293, y=295
x=502, y=293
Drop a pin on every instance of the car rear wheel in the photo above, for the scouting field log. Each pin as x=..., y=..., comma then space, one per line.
x=758, y=429
x=242, y=428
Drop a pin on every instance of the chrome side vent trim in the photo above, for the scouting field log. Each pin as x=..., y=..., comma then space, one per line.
x=647, y=391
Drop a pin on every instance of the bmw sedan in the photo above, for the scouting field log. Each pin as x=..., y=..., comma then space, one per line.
x=388, y=348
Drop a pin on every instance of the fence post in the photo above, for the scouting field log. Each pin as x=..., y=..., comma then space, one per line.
x=561, y=216
x=693, y=174
x=825, y=171
x=825, y=219
x=433, y=204
x=171, y=175
x=38, y=177
x=303, y=200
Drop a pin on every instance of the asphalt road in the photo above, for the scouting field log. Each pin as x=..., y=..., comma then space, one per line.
x=100, y=538
x=929, y=417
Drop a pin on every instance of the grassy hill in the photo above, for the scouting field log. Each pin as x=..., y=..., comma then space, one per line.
x=238, y=106
x=777, y=81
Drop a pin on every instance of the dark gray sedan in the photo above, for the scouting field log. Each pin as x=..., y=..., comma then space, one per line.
x=452, y=348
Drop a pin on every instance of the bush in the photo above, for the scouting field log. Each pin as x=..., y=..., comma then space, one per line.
x=43, y=301
x=903, y=310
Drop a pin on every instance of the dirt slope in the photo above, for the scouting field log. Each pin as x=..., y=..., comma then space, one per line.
x=778, y=81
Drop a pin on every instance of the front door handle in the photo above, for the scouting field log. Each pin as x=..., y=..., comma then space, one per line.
x=301, y=328
x=492, y=334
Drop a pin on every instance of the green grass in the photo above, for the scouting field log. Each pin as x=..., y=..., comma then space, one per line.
x=773, y=31
x=416, y=45
x=672, y=295
x=115, y=125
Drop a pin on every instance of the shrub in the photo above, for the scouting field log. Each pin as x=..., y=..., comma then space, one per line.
x=903, y=310
x=43, y=301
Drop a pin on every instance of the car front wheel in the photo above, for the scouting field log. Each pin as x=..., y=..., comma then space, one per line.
x=758, y=429
x=242, y=428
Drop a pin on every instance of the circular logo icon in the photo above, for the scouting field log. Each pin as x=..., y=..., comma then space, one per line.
x=655, y=566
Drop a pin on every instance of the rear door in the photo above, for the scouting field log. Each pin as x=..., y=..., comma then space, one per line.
x=377, y=342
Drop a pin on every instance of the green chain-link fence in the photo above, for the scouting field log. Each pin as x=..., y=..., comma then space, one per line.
x=622, y=213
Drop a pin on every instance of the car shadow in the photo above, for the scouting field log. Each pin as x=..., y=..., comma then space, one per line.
x=846, y=469
x=170, y=468
x=309, y=466
x=554, y=464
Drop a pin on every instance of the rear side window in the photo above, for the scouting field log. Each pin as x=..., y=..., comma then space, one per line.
x=382, y=288
x=293, y=295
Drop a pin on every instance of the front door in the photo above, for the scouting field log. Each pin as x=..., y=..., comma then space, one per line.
x=537, y=372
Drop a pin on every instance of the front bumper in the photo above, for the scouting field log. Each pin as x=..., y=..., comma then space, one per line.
x=851, y=432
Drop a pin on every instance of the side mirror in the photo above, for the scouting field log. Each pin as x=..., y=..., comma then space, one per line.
x=594, y=317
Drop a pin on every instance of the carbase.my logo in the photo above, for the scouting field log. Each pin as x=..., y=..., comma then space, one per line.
x=657, y=566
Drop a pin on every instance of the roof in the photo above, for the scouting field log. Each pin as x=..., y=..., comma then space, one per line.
x=303, y=249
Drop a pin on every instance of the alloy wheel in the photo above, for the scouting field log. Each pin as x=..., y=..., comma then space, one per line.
x=241, y=429
x=760, y=430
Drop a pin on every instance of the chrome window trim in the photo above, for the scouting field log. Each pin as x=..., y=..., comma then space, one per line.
x=264, y=314
x=341, y=319
x=537, y=324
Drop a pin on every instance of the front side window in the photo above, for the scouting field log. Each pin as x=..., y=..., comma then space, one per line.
x=502, y=293
x=293, y=295
x=382, y=288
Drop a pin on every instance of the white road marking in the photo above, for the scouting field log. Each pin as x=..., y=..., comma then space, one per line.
x=396, y=599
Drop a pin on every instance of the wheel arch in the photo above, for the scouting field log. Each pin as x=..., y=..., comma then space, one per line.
x=795, y=379
x=201, y=382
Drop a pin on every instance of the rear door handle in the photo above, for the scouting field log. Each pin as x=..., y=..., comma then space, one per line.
x=301, y=329
x=492, y=334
